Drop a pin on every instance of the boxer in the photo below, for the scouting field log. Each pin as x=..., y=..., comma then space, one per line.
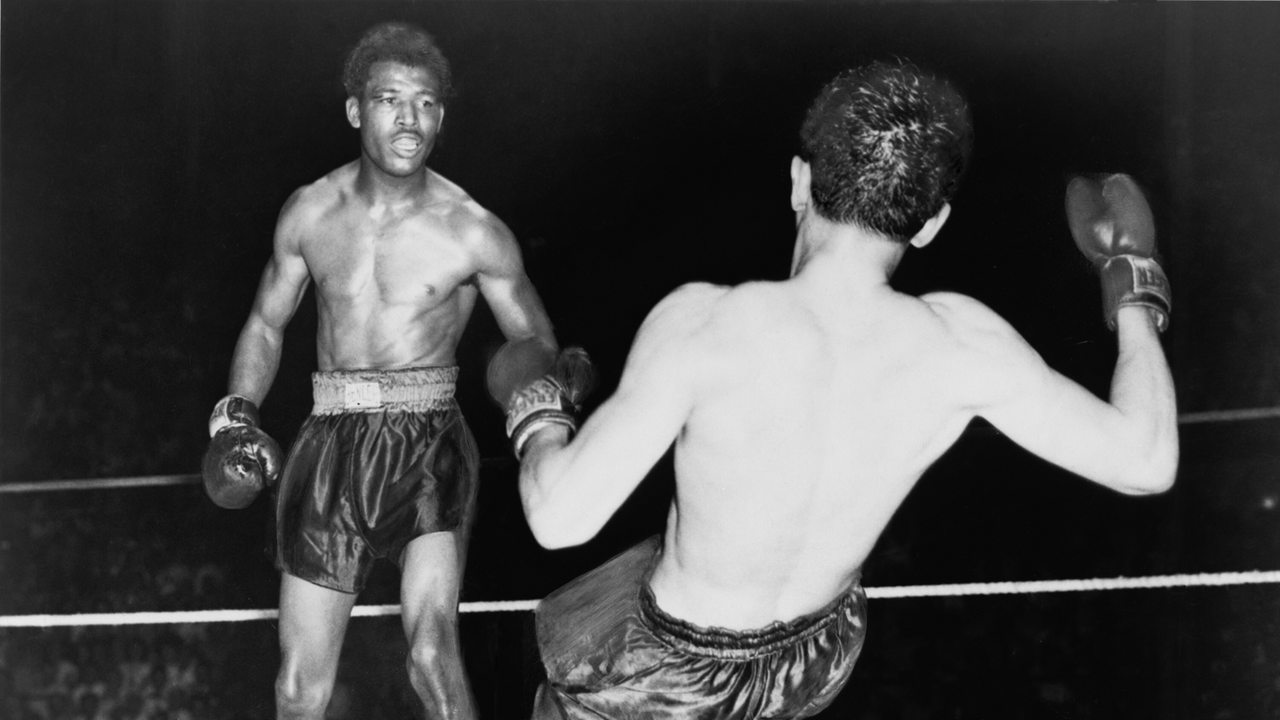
x=803, y=412
x=385, y=466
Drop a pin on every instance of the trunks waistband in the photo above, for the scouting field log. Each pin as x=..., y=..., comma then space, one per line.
x=729, y=644
x=419, y=389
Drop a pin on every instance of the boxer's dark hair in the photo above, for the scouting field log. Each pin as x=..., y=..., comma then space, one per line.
x=886, y=145
x=395, y=42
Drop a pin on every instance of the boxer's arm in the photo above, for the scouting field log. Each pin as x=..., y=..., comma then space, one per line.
x=280, y=291
x=570, y=491
x=1128, y=442
x=505, y=285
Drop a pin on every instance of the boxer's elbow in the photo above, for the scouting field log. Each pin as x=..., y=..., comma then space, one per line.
x=554, y=515
x=557, y=527
x=1153, y=471
x=556, y=533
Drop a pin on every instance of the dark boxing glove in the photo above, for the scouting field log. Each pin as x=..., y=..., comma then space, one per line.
x=538, y=387
x=1112, y=225
x=241, y=459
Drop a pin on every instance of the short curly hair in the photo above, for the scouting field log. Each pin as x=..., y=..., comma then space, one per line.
x=395, y=42
x=887, y=145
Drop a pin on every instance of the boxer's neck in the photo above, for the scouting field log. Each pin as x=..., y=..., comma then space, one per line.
x=381, y=188
x=850, y=254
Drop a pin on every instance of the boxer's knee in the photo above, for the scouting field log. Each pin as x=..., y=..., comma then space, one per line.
x=301, y=696
x=433, y=648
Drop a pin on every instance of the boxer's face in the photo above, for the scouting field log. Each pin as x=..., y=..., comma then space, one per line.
x=398, y=115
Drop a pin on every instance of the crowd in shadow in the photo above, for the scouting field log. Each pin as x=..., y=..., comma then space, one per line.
x=108, y=552
x=96, y=674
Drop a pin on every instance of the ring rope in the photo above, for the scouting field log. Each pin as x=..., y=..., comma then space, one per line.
x=1253, y=577
x=1211, y=416
x=99, y=483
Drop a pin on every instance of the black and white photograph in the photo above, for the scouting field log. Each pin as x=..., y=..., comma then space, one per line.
x=623, y=360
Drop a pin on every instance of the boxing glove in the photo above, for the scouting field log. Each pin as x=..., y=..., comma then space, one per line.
x=1112, y=225
x=538, y=387
x=241, y=459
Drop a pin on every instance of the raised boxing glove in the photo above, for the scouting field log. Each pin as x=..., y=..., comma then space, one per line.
x=1112, y=225
x=538, y=387
x=241, y=459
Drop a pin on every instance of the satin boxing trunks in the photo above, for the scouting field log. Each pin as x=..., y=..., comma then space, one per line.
x=611, y=652
x=384, y=457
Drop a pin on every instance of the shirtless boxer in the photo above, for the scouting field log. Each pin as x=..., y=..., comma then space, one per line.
x=385, y=465
x=803, y=412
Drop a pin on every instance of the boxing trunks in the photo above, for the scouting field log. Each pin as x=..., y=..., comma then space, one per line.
x=611, y=652
x=384, y=457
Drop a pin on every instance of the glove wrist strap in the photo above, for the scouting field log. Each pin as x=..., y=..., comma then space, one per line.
x=541, y=395
x=232, y=410
x=1135, y=280
x=540, y=421
x=541, y=403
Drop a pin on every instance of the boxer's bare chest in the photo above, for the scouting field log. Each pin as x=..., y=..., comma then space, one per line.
x=386, y=259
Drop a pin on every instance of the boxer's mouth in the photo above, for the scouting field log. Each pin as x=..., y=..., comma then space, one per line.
x=406, y=142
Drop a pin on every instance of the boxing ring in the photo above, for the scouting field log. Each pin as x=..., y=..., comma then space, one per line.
x=953, y=598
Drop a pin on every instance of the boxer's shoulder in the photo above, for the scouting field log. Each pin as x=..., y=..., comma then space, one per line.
x=690, y=302
x=961, y=314
x=466, y=219
x=318, y=200
x=749, y=319
x=679, y=318
x=971, y=335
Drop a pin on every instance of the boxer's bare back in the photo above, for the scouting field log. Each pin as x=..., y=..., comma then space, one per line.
x=805, y=411
x=819, y=407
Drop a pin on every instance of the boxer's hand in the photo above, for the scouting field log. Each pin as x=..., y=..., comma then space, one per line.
x=1112, y=226
x=538, y=387
x=241, y=459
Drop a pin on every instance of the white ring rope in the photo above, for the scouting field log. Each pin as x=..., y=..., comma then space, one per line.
x=99, y=483
x=1197, y=418
x=1253, y=577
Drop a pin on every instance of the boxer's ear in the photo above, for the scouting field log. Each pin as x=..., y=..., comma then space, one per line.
x=353, y=112
x=931, y=227
x=800, y=177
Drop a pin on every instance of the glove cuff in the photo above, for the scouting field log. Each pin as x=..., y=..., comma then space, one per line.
x=542, y=402
x=1135, y=280
x=538, y=421
x=232, y=410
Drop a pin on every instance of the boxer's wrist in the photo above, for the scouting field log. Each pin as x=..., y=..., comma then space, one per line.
x=553, y=432
x=1133, y=317
x=1135, y=280
x=542, y=427
x=232, y=410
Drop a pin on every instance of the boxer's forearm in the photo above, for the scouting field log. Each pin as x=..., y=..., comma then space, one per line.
x=256, y=360
x=553, y=519
x=1142, y=391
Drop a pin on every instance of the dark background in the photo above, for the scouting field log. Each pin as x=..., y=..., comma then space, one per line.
x=147, y=147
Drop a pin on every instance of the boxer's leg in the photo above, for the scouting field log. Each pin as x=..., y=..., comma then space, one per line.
x=431, y=578
x=313, y=621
